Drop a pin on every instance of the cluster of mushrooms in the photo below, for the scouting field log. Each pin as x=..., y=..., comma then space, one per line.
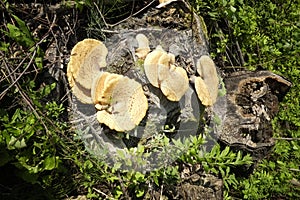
x=120, y=101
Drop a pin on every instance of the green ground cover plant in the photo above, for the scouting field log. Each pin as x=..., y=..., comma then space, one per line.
x=263, y=35
x=41, y=154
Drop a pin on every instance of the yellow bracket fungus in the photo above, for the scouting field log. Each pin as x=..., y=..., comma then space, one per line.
x=207, y=84
x=120, y=101
x=162, y=73
x=143, y=48
x=87, y=58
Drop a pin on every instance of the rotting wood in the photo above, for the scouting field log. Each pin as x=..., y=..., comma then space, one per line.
x=252, y=101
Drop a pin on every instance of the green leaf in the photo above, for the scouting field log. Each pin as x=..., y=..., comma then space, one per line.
x=50, y=162
x=139, y=192
x=4, y=46
x=225, y=152
x=213, y=170
x=88, y=164
x=280, y=163
x=155, y=179
x=139, y=176
x=118, y=191
x=20, y=34
x=238, y=157
x=39, y=62
x=16, y=34
x=22, y=26
x=233, y=9
x=15, y=143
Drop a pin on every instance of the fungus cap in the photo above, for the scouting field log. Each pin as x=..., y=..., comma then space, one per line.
x=86, y=60
x=160, y=71
x=160, y=48
x=143, y=48
x=103, y=87
x=202, y=91
x=173, y=80
x=129, y=98
x=151, y=66
x=121, y=101
x=207, y=70
x=176, y=84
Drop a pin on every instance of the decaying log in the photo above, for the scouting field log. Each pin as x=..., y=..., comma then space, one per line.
x=252, y=101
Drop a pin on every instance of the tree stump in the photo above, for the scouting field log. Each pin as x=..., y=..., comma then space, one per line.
x=252, y=101
x=244, y=113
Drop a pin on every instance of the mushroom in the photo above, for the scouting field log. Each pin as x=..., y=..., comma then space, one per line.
x=102, y=88
x=176, y=84
x=120, y=101
x=143, y=48
x=173, y=80
x=151, y=68
x=207, y=70
x=202, y=91
x=162, y=73
x=87, y=58
x=159, y=48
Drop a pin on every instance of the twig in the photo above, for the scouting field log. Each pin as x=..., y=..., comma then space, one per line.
x=12, y=72
x=240, y=53
x=30, y=104
x=136, y=13
x=101, y=15
x=289, y=139
x=295, y=170
x=295, y=182
x=27, y=100
x=228, y=56
x=16, y=80
x=102, y=193
x=162, y=185
x=122, y=187
x=109, y=31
